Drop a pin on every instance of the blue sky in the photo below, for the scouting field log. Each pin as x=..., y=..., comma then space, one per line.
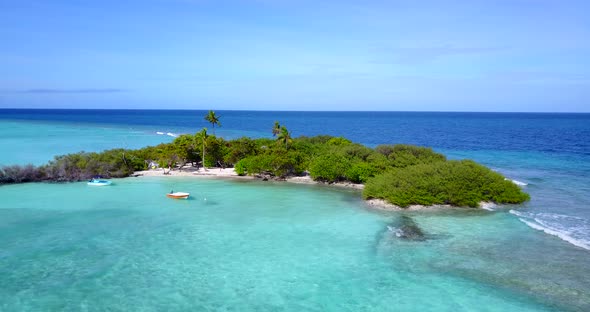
x=514, y=55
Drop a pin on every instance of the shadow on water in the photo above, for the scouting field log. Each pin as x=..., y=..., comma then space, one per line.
x=208, y=202
x=403, y=228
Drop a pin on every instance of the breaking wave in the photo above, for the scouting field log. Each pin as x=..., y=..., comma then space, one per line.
x=574, y=230
x=519, y=183
x=174, y=135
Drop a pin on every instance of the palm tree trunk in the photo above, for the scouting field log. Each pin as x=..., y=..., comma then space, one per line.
x=204, y=168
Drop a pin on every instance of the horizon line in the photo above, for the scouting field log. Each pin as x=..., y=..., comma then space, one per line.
x=301, y=111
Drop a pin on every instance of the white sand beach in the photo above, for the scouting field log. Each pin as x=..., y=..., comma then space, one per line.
x=190, y=172
x=230, y=173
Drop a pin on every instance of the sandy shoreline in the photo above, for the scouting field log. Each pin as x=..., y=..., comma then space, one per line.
x=230, y=173
x=190, y=172
x=381, y=204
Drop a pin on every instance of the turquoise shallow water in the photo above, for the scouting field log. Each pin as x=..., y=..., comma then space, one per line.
x=559, y=185
x=281, y=247
x=254, y=246
x=35, y=142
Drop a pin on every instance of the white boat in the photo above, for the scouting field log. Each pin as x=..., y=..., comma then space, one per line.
x=178, y=195
x=99, y=182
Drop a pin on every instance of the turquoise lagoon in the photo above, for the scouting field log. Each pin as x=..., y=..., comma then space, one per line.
x=255, y=246
x=36, y=142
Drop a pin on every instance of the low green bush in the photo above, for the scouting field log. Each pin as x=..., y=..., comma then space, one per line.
x=403, y=155
x=457, y=183
x=329, y=168
x=360, y=172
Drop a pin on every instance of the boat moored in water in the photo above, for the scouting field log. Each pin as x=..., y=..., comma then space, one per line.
x=178, y=195
x=99, y=182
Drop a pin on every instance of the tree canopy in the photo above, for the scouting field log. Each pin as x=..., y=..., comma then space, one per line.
x=213, y=119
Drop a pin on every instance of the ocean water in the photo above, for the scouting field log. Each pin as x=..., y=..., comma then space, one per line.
x=256, y=246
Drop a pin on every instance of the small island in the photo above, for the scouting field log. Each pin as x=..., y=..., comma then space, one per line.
x=400, y=175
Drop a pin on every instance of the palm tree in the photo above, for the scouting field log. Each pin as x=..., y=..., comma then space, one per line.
x=202, y=136
x=276, y=129
x=213, y=119
x=284, y=136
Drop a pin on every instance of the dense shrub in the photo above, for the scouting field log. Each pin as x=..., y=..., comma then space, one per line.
x=116, y=163
x=360, y=172
x=239, y=149
x=247, y=166
x=280, y=163
x=20, y=174
x=309, y=150
x=404, y=155
x=378, y=161
x=215, y=152
x=338, y=141
x=384, y=150
x=184, y=149
x=316, y=140
x=241, y=166
x=457, y=183
x=329, y=168
x=356, y=152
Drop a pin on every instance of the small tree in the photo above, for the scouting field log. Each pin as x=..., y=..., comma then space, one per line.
x=284, y=136
x=202, y=136
x=213, y=119
x=276, y=129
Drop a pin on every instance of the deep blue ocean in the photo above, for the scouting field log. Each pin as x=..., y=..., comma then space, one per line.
x=534, y=256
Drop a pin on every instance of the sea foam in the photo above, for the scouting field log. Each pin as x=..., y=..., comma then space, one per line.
x=488, y=206
x=569, y=234
x=519, y=183
x=174, y=135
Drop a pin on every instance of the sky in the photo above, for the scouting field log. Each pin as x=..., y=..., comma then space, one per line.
x=495, y=55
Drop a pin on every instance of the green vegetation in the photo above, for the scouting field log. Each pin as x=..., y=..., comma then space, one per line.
x=213, y=119
x=282, y=134
x=400, y=174
x=116, y=163
x=457, y=183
